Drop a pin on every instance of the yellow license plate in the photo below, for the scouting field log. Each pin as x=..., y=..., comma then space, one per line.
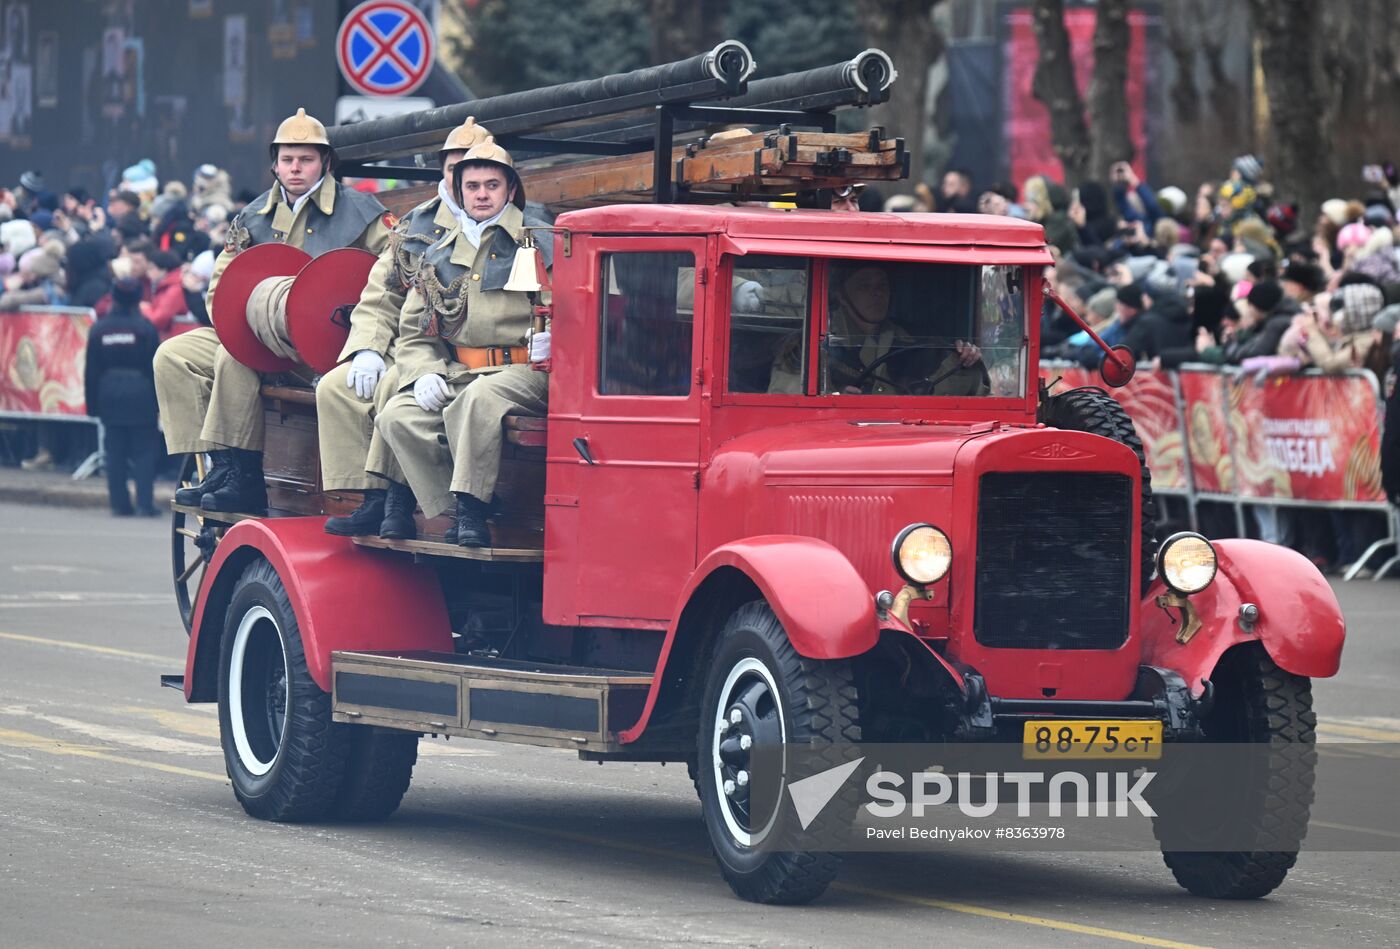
x=1092, y=739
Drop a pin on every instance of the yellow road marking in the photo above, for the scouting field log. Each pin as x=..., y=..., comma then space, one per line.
x=18, y=739
x=185, y=723
x=1354, y=829
x=89, y=647
x=970, y=909
x=53, y=746
x=1357, y=731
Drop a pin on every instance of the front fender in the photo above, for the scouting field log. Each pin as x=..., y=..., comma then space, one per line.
x=1300, y=622
x=825, y=607
x=344, y=597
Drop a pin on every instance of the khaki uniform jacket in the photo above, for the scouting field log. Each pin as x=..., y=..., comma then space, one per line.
x=291, y=228
x=374, y=323
x=494, y=317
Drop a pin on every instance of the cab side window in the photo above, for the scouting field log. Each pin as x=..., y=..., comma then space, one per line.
x=646, y=326
x=769, y=303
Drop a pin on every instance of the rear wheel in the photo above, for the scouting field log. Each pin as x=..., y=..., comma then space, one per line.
x=760, y=692
x=1098, y=413
x=285, y=756
x=377, y=773
x=1256, y=702
x=192, y=541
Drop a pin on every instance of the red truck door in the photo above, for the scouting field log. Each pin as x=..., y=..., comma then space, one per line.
x=624, y=442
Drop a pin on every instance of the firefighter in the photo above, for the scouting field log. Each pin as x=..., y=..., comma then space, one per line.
x=348, y=397
x=208, y=400
x=460, y=377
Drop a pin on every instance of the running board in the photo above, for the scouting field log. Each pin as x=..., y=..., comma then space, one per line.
x=477, y=697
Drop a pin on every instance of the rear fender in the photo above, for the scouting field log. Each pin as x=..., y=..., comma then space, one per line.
x=825, y=607
x=1300, y=623
x=344, y=597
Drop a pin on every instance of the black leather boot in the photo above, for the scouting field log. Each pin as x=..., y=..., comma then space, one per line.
x=471, y=523
x=245, y=492
x=362, y=521
x=398, y=513
x=220, y=467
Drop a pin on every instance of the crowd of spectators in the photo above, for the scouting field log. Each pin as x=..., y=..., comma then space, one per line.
x=1229, y=277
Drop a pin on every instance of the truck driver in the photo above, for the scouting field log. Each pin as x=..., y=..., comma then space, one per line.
x=869, y=354
x=349, y=396
x=460, y=377
x=208, y=400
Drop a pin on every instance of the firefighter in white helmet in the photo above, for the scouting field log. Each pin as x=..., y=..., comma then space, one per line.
x=209, y=402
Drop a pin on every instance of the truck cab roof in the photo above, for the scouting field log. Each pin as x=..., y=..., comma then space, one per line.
x=975, y=230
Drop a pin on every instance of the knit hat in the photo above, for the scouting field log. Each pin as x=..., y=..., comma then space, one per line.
x=1356, y=305
x=1307, y=276
x=39, y=262
x=1387, y=319
x=1235, y=267
x=1172, y=199
x=1335, y=210
x=17, y=237
x=32, y=181
x=203, y=265
x=1249, y=167
x=1355, y=234
x=46, y=200
x=1131, y=296
x=43, y=220
x=7, y=264
x=1101, y=303
x=126, y=292
x=1378, y=215
x=1265, y=296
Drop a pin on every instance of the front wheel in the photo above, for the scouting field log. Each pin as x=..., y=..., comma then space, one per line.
x=761, y=693
x=284, y=754
x=1270, y=787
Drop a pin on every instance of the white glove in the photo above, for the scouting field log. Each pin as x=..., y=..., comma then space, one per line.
x=539, y=346
x=748, y=297
x=365, y=371
x=431, y=393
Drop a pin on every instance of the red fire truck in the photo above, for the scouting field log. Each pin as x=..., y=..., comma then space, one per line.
x=746, y=522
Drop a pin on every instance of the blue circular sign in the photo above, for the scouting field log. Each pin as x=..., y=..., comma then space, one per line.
x=385, y=48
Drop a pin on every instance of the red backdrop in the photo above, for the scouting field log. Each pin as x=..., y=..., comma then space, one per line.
x=41, y=362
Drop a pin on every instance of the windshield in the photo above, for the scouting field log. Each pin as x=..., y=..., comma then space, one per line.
x=890, y=328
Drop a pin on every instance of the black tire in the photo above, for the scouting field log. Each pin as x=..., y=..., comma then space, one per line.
x=377, y=773
x=1257, y=702
x=286, y=763
x=1098, y=413
x=818, y=705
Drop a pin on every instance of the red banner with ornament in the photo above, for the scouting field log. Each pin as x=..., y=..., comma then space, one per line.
x=1151, y=403
x=1309, y=437
x=42, y=355
x=1313, y=438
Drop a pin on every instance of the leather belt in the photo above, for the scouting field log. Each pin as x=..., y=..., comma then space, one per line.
x=484, y=357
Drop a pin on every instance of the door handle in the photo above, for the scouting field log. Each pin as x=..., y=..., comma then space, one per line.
x=581, y=446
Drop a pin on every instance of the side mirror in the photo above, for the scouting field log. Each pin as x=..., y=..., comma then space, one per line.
x=1117, y=366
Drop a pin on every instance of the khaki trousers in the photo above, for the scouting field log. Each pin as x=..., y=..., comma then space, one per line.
x=470, y=461
x=184, y=373
x=235, y=415
x=351, y=446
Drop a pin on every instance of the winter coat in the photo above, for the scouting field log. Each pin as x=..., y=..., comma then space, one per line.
x=46, y=292
x=1390, y=430
x=168, y=302
x=119, y=380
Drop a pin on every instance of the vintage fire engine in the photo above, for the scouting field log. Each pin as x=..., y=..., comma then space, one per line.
x=744, y=523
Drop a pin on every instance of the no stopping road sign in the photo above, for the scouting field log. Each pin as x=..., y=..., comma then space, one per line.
x=385, y=48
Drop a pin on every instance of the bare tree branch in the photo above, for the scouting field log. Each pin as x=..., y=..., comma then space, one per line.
x=1055, y=87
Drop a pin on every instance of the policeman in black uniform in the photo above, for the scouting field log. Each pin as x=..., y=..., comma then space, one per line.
x=120, y=388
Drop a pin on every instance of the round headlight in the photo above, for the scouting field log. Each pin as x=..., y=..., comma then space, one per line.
x=1186, y=562
x=922, y=554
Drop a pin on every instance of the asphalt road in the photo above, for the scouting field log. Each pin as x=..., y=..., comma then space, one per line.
x=120, y=829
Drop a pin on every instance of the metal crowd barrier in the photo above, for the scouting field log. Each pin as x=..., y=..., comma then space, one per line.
x=1222, y=435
